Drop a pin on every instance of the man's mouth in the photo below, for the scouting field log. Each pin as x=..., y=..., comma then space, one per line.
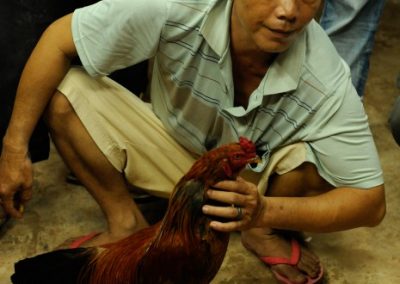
x=282, y=32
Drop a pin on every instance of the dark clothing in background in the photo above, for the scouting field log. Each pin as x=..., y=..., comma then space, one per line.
x=394, y=121
x=22, y=23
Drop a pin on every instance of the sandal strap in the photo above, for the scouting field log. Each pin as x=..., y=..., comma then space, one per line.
x=293, y=260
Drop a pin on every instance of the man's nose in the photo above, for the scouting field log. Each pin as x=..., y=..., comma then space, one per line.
x=287, y=10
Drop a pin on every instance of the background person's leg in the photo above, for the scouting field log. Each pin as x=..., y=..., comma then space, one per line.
x=351, y=25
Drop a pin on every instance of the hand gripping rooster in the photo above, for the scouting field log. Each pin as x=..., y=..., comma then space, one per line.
x=180, y=249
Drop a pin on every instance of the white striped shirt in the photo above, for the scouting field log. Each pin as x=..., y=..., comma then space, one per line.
x=306, y=95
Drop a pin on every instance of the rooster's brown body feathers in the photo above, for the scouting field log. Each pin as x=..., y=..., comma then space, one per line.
x=181, y=248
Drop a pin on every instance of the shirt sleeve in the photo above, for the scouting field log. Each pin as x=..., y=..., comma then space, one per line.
x=114, y=34
x=345, y=152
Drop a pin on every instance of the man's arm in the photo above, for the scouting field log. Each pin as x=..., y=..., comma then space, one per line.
x=336, y=210
x=44, y=70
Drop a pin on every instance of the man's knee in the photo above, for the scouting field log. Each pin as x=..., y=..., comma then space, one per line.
x=57, y=111
x=301, y=181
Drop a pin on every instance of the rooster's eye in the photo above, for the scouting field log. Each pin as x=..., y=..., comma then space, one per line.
x=237, y=156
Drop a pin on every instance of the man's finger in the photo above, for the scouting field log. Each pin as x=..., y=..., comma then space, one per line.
x=25, y=195
x=226, y=197
x=224, y=212
x=8, y=205
x=239, y=185
x=228, y=226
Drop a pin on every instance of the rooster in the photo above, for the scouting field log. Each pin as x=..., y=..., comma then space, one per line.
x=181, y=248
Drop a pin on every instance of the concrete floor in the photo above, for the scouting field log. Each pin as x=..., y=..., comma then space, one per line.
x=365, y=255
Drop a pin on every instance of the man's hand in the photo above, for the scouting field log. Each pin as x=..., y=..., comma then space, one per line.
x=16, y=180
x=241, y=194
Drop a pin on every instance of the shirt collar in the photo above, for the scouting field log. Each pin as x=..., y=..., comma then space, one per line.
x=215, y=27
x=282, y=76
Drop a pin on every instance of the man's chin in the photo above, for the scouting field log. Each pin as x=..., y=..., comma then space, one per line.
x=275, y=48
x=275, y=45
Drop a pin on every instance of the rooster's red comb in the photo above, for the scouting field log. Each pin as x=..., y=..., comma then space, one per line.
x=247, y=145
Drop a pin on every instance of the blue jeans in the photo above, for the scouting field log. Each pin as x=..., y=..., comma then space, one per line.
x=351, y=25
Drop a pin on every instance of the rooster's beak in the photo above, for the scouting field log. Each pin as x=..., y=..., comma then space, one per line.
x=255, y=160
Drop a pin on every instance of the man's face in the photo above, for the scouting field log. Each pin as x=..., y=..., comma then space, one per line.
x=271, y=25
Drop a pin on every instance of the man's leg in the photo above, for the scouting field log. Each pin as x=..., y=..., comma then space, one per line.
x=102, y=180
x=302, y=181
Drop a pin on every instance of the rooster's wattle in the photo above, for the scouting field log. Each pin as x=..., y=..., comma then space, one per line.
x=181, y=248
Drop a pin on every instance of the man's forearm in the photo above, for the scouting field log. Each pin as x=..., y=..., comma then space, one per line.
x=43, y=72
x=336, y=210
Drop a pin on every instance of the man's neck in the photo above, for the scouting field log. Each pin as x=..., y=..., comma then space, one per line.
x=249, y=55
x=249, y=66
x=249, y=62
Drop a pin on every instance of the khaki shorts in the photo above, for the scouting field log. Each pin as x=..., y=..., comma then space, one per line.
x=135, y=142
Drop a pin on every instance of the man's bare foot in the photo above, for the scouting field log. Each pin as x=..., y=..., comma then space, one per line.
x=266, y=242
x=121, y=224
x=118, y=232
x=103, y=238
x=95, y=239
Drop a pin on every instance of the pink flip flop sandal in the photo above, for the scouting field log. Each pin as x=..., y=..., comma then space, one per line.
x=81, y=240
x=293, y=260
